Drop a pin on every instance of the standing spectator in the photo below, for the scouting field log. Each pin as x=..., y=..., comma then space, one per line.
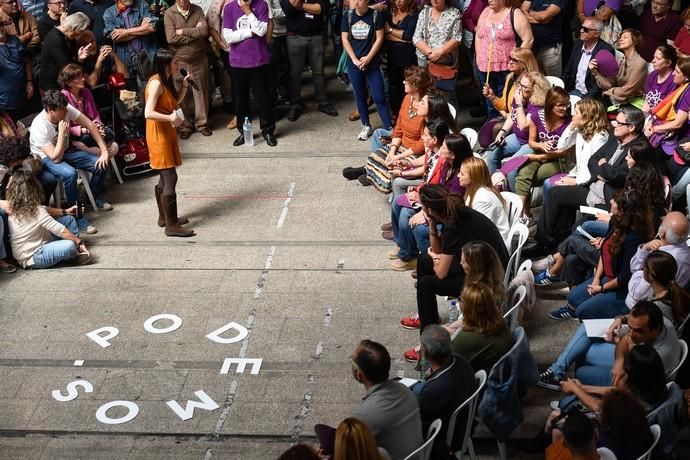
x=605, y=12
x=60, y=47
x=401, y=20
x=215, y=30
x=50, y=20
x=245, y=24
x=50, y=140
x=546, y=17
x=437, y=37
x=162, y=103
x=20, y=24
x=577, y=77
x=495, y=40
x=659, y=25
x=449, y=384
x=682, y=40
x=131, y=27
x=628, y=84
x=36, y=8
x=305, y=23
x=279, y=54
x=362, y=36
x=94, y=10
x=16, y=82
x=388, y=407
x=186, y=30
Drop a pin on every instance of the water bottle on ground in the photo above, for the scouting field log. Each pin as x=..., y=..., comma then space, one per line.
x=399, y=369
x=247, y=131
x=453, y=311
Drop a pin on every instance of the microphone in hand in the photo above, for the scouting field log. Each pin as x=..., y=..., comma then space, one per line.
x=191, y=82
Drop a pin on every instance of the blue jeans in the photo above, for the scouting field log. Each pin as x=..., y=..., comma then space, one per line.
x=497, y=81
x=66, y=170
x=57, y=250
x=373, y=77
x=376, y=142
x=604, y=305
x=509, y=148
x=681, y=186
x=403, y=234
x=595, y=356
x=596, y=228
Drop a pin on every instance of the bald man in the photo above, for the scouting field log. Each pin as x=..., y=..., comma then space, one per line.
x=673, y=235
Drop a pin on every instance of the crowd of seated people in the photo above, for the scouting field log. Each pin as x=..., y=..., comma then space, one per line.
x=613, y=138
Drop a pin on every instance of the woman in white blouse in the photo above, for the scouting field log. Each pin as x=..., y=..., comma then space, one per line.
x=481, y=196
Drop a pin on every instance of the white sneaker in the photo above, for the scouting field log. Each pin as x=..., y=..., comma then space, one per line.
x=543, y=264
x=365, y=133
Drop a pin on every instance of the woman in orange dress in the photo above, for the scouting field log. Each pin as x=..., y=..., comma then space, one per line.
x=162, y=120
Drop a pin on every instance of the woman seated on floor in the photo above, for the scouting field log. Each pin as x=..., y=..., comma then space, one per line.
x=410, y=229
x=481, y=195
x=40, y=237
x=513, y=136
x=603, y=295
x=484, y=336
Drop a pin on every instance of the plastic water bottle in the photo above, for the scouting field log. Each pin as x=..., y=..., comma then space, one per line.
x=453, y=311
x=399, y=369
x=247, y=131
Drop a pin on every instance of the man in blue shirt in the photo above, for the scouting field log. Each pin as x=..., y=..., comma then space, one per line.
x=546, y=18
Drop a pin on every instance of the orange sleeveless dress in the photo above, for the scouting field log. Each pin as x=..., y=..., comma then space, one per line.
x=161, y=137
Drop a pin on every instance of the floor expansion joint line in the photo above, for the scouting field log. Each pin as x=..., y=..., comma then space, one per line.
x=266, y=367
x=138, y=434
x=246, y=269
x=248, y=243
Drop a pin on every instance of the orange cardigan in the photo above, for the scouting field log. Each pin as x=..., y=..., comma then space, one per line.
x=409, y=129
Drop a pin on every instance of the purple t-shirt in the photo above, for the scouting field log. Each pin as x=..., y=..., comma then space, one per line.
x=684, y=105
x=543, y=134
x=250, y=52
x=591, y=6
x=655, y=92
x=522, y=134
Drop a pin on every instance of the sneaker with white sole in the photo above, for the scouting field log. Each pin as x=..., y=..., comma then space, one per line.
x=365, y=133
x=544, y=278
x=563, y=313
x=543, y=264
x=549, y=380
x=103, y=205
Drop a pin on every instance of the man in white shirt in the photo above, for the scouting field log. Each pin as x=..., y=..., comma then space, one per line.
x=49, y=139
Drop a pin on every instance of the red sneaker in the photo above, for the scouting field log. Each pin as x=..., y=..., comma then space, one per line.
x=412, y=355
x=411, y=322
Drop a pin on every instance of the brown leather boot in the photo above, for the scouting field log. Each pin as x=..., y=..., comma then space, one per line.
x=172, y=225
x=161, y=212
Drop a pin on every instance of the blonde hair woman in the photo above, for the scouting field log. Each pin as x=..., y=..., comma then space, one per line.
x=484, y=336
x=521, y=61
x=481, y=196
x=354, y=441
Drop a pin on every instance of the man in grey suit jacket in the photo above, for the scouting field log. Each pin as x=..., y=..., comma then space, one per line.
x=578, y=80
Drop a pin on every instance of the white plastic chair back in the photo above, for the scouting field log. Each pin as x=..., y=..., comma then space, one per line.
x=471, y=404
x=573, y=101
x=471, y=136
x=656, y=432
x=424, y=451
x=452, y=110
x=555, y=81
x=523, y=233
x=683, y=357
x=511, y=316
x=526, y=265
x=513, y=206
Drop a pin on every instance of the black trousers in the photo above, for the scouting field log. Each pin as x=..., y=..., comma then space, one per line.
x=429, y=286
x=258, y=80
x=558, y=213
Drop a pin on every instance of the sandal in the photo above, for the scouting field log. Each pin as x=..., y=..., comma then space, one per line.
x=7, y=268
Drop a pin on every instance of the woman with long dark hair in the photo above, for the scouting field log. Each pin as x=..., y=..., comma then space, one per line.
x=162, y=119
x=603, y=295
x=659, y=271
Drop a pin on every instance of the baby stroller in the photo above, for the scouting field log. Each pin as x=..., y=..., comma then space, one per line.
x=129, y=126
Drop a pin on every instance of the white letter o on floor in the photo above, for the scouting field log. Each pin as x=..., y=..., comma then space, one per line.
x=103, y=417
x=176, y=323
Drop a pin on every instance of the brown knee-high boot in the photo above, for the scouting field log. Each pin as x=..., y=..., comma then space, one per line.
x=161, y=212
x=172, y=225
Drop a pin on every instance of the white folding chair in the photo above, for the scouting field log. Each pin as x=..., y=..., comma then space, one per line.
x=555, y=81
x=511, y=316
x=683, y=357
x=573, y=100
x=471, y=136
x=526, y=265
x=424, y=451
x=513, y=206
x=523, y=233
x=452, y=110
x=471, y=405
x=656, y=432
